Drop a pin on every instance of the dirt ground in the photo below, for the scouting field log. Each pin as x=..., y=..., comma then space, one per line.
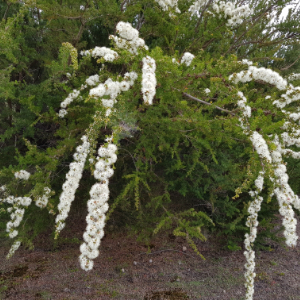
x=127, y=269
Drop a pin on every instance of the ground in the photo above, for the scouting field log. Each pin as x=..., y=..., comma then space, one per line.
x=163, y=269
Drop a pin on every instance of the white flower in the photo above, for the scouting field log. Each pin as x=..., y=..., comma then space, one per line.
x=168, y=4
x=294, y=77
x=187, y=58
x=126, y=31
x=129, y=38
x=254, y=73
x=93, y=80
x=260, y=146
x=148, y=79
x=234, y=15
x=98, y=91
x=196, y=6
x=62, y=113
x=206, y=91
x=24, y=175
x=15, y=246
x=71, y=97
x=259, y=183
x=43, y=201
x=86, y=263
x=13, y=234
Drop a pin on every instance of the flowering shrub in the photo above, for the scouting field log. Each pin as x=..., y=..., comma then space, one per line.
x=211, y=127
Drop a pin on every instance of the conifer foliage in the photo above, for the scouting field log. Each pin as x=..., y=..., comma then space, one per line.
x=170, y=99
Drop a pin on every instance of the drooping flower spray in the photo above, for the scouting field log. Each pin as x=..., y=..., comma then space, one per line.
x=71, y=184
x=281, y=189
x=97, y=205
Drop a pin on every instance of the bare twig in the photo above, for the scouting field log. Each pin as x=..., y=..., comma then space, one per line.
x=207, y=103
x=286, y=68
x=201, y=15
x=6, y=11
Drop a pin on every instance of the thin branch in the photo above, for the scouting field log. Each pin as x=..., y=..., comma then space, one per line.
x=6, y=11
x=201, y=15
x=133, y=160
x=286, y=68
x=69, y=17
x=82, y=26
x=207, y=103
x=123, y=5
x=141, y=21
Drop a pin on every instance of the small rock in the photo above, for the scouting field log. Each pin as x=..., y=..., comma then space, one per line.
x=150, y=261
x=135, y=263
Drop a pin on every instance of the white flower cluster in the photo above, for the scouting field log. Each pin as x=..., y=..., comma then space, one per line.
x=294, y=116
x=294, y=77
x=291, y=138
x=42, y=202
x=24, y=175
x=291, y=95
x=196, y=6
x=187, y=58
x=108, y=54
x=246, y=62
x=70, y=186
x=254, y=207
x=174, y=61
x=252, y=223
x=285, y=195
x=71, y=97
x=113, y=89
x=242, y=104
x=148, y=80
x=129, y=38
x=235, y=15
x=289, y=222
x=16, y=213
x=167, y=4
x=207, y=91
x=93, y=80
x=15, y=246
x=97, y=206
x=266, y=75
x=260, y=146
x=15, y=218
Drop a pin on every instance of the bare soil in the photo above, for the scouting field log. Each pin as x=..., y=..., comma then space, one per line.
x=127, y=269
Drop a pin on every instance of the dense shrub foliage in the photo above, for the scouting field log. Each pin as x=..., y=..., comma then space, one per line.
x=174, y=115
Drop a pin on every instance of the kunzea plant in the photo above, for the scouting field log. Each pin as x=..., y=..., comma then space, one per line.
x=269, y=121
